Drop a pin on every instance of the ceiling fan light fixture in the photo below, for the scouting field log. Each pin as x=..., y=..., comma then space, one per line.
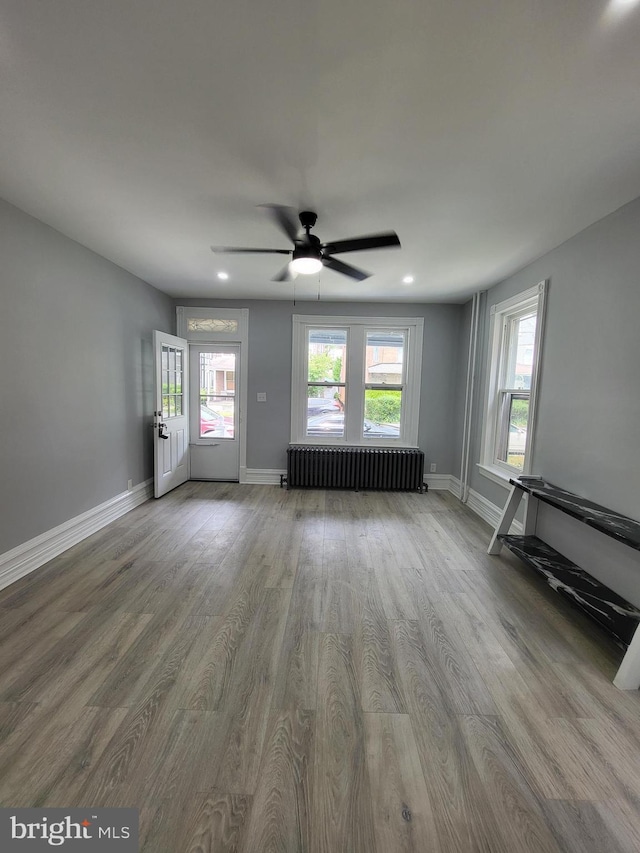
x=307, y=260
x=306, y=266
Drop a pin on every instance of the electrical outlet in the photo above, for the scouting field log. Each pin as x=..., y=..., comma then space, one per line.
x=129, y=485
x=262, y=396
x=433, y=467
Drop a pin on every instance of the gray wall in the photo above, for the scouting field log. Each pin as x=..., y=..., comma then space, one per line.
x=75, y=350
x=589, y=398
x=270, y=332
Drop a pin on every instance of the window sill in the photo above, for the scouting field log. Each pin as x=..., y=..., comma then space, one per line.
x=311, y=442
x=496, y=475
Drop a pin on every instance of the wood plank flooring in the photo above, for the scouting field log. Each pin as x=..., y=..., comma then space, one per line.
x=259, y=670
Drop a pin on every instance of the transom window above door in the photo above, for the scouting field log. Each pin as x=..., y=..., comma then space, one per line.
x=212, y=324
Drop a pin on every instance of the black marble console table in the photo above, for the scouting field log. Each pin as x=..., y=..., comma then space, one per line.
x=617, y=616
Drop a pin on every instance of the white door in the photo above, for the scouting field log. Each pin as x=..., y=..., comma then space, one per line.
x=214, y=421
x=170, y=422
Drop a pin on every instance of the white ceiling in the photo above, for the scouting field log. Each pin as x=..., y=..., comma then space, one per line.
x=484, y=133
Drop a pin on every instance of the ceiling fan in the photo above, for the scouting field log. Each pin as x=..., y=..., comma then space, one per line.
x=309, y=255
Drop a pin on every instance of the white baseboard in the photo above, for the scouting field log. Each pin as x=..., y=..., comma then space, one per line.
x=488, y=511
x=476, y=502
x=264, y=476
x=29, y=556
x=439, y=482
x=454, y=486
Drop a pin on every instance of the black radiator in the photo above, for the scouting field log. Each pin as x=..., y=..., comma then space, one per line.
x=355, y=468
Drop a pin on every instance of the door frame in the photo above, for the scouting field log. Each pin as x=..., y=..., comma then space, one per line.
x=237, y=321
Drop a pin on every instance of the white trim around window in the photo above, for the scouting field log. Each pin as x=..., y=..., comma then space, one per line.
x=501, y=392
x=354, y=380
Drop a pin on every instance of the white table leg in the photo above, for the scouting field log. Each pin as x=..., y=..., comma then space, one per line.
x=628, y=676
x=506, y=518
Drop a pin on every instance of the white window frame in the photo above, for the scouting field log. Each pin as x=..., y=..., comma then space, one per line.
x=501, y=316
x=357, y=328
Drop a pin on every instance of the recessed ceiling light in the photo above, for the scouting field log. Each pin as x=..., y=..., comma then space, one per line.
x=408, y=279
x=223, y=276
x=618, y=8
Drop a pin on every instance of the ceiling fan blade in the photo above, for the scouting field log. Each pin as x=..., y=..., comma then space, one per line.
x=285, y=274
x=386, y=240
x=238, y=250
x=345, y=269
x=285, y=218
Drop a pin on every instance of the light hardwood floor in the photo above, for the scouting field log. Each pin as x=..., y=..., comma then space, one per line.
x=259, y=670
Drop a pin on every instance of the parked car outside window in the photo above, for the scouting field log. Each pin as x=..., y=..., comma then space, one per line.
x=211, y=422
x=332, y=425
x=320, y=405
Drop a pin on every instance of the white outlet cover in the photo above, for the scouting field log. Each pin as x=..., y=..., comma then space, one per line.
x=262, y=396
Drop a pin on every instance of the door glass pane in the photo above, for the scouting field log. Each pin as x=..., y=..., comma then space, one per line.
x=384, y=357
x=165, y=370
x=217, y=394
x=382, y=413
x=171, y=381
x=178, y=374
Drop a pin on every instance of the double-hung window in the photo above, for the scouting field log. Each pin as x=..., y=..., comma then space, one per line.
x=356, y=380
x=514, y=366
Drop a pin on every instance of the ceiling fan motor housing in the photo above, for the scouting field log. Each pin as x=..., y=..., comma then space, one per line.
x=308, y=218
x=308, y=246
x=309, y=249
